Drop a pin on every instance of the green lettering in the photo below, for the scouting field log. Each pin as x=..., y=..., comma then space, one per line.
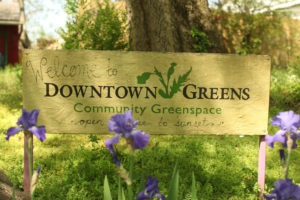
x=75, y=107
x=178, y=110
x=154, y=109
x=87, y=108
x=198, y=111
x=171, y=110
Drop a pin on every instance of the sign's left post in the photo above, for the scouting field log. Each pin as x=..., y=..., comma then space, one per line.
x=28, y=159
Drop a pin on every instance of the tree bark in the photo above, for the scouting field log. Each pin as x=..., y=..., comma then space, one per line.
x=165, y=25
x=25, y=42
x=6, y=188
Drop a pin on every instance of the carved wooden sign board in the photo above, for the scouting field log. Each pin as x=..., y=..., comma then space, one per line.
x=169, y=93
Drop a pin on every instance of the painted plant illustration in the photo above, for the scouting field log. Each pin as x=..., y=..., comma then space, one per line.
x=169, y=90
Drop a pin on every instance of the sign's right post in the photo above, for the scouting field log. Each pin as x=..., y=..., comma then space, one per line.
x=262, y=165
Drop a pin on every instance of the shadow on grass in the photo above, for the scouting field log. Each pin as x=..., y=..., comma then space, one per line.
x=219, y=164
x=12, y=100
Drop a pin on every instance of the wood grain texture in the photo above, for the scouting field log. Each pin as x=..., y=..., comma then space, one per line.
x=223, y=94
x=165, y=26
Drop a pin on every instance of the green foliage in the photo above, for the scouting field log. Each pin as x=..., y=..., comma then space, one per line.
x=285, y=89
x=172, y=194
x=194, y=191
x=249, y=27
x=225, y=167
x=201, y=41
x=14, y=192
x=174, y=88
x=94, y=139
x=71, y=8
x=10, y=95
x=174, y=185
x=107, y=194
x=101, y=28
x=121, y=193
x=82, y=173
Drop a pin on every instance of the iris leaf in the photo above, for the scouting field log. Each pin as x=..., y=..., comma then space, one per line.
x=107, y=194
x=173, y=190
x=121, y=193
x=194, y=192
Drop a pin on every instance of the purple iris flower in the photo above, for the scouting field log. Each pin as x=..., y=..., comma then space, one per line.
x=124, y=126
x=284, y=190
x=151, y=190
x=288, y=122
x=28, y=122
x=122, y=123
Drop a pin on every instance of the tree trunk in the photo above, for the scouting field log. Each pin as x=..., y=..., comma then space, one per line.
x=6, y=188
x=165, y=25
x=25, y=42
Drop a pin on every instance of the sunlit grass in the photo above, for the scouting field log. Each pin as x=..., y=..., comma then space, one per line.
x=285, y=89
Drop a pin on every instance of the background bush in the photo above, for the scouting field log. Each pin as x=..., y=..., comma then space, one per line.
x=285, y=89
x=251, y=27
x=102, y=28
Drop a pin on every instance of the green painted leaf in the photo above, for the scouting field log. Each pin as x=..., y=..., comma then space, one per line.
x=174, y=88
x=158, y=73
x=143, y=78
x=173, y=190
x=194, y=191
x=107, y=195
x=171, y=70
x=179, y=83
x=185, y=76
x=161, y=79
x=163, y=94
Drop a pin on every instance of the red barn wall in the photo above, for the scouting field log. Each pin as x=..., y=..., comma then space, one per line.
x=12, y=43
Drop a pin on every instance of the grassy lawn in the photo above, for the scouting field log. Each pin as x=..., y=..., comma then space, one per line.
x=74, y=166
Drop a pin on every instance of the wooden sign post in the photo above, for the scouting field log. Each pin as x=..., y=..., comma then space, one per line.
x=169, y=93
x=28, y=140
x=262, y=164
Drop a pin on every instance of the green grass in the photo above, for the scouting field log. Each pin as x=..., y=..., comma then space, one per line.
x=285, y=89
x=74, y=166
x=10, y=96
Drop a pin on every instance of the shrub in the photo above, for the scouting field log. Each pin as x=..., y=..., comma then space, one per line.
x=249, y=27
x=102, y=28
x=285, y=89
x=201, y=41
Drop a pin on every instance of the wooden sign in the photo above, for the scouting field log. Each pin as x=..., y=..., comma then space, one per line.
x=169, y=93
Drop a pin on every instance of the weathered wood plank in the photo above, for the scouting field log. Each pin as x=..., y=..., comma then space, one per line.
x=78, y=91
